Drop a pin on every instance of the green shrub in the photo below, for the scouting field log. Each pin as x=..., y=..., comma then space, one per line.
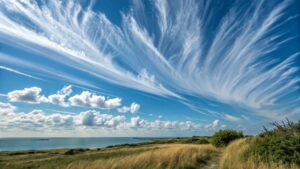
x=224, y=137
x=70, y=152
x=281, y=144
x=202, y=141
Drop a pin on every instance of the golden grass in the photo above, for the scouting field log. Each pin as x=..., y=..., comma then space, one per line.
x=154, y=156
x=165, y=157
x=158, y=156
x=234, y=158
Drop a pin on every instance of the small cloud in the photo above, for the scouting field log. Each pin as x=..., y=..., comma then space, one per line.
x=87, y=99
x=231, y=117
x=134, y=107
x=59, y=97
x=214, y=125
x=136, y=121
x=30, y=95
x=245, y=117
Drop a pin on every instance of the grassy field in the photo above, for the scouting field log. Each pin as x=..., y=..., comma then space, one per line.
x=162, y=154
x=153, y=156
x=278, y=148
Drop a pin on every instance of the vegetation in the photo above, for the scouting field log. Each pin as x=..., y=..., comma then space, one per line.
x=235, y=156
x=224, y=137
x=278, y=148
x=178, y=140
x=152, y=156
x=281, y=144
x=192, y=140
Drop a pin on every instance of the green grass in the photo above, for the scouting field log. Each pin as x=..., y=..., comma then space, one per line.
x=60, y=158
x=178, y=140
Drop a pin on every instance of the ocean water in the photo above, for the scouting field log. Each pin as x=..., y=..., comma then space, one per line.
x=20, y=144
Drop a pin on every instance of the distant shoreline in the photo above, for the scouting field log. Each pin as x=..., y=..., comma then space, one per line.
x=80, y=143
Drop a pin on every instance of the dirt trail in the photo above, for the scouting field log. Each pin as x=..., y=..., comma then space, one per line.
x=214, y=162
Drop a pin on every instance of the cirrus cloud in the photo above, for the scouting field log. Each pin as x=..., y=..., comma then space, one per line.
x=188, y=48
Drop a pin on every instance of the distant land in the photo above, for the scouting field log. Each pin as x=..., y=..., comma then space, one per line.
x=226, y=149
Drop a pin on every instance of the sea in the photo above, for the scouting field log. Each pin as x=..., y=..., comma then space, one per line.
x=22, y=144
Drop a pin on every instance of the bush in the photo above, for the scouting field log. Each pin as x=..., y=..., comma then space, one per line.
x=224, y=137
x=202, y=141
x=194, y=140
x=281, y=144
x=70, y=152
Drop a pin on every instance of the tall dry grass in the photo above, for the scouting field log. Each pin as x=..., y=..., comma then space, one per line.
x=234, y=157
x=174, y=156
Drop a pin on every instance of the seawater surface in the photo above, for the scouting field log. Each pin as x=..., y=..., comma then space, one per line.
x=20, y=144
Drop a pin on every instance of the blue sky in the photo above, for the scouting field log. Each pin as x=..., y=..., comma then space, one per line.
x=147, y=68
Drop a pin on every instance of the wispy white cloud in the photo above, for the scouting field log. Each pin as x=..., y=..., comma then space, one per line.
x=18, y=72
x=3, y=95
x=236, y=67
x=231, y=117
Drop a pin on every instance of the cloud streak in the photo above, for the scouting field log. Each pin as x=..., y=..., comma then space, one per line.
x=172, y=56
x=18, y=72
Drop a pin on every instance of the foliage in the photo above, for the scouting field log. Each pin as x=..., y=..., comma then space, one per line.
x=70, y=152
x=236, y=156
x=281, y=144
x=182, y=140
x=224, y=137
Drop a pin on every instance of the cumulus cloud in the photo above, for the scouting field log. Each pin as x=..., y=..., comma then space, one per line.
x=134, y=107
x=33, y=95
x=95, y=118
x=10, y=117
x=62, y=97
x=29, y=95
x=136, y=122
x=36, y=119
x=87, y=99
x=59, y=97
x=6, y=109
x=216, y=124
